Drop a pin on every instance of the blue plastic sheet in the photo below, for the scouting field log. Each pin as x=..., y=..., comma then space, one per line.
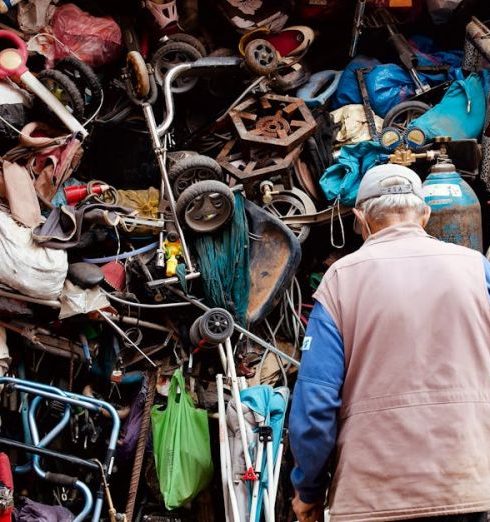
x=460, y=114
x=390, y=84
x=348, y=89
x=342, y=179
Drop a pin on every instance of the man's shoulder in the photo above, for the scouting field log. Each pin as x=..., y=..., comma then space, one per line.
x=427, y=245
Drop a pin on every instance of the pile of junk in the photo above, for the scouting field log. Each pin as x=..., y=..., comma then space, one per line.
x=176, y=176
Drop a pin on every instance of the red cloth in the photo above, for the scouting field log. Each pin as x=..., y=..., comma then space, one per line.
x=95, y=40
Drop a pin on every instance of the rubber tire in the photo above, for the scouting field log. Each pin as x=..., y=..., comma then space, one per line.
x=87, y=79
x=167, y=48
x=196, y=190
x=210, y=166
x=213, y=337
x=137, y=65
x=76, y=100
x=195, y=333
x=403, y=107
x=189, y=39
x=252, y=61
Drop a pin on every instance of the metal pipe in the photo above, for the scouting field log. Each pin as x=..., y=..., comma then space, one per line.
x=171, y=75
x=239, y=329
x=48, y=437
x=238, y=403
x=45, y=452
x=58, y=428
x=89, y=403
x=137, y=322
x=171, y=280
x=27, y=299
x=224, y=441
x=198, y=67
x=166, y=189
x=77, y=484
x=125, y=336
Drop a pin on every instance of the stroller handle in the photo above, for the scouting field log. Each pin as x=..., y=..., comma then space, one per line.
x=199, y=67
x=12, y=59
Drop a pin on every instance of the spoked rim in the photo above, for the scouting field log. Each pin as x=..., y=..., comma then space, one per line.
x=286, y=205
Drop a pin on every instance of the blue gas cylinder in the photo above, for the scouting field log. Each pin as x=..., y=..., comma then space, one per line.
x=456, y=211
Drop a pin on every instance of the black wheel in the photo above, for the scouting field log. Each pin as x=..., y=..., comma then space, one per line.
x=192, y=169
x=216, y=325
x=194, y=333
x=138, y=73
x=261, y=57
x=64, y=90
x=83, y=76
x=191, y=40
x=400, y=116
x=206, y=206
x=174, y=53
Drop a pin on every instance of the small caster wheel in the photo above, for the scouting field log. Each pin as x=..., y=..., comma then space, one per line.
x=261, y=57
x=216, y=325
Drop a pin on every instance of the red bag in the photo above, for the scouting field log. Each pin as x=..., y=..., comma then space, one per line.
x=8, y=484
x=95, y=40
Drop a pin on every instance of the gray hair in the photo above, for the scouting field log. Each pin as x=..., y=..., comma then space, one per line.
x=380, y=208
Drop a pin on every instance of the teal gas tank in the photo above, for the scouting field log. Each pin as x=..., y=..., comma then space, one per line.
x=456, y=211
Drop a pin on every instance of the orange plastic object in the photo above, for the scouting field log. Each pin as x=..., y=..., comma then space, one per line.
x=400, y=3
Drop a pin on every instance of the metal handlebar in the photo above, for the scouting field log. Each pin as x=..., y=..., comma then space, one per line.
x=197, y=68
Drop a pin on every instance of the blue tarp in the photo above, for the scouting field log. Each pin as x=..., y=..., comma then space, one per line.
x=460, y=114
x=342, y=179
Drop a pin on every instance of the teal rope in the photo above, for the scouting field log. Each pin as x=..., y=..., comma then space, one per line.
x=225, y=266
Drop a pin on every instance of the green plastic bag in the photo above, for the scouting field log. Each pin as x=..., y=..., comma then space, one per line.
x=181, y=446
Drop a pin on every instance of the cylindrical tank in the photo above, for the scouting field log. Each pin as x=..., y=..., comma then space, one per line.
x=456, y=211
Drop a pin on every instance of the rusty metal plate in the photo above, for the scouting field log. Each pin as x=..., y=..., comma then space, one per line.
x=248, y=166
x=275, y=121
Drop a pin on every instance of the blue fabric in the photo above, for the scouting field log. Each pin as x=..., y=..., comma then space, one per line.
x=270, y=403
x=460, y=114
x=486, y=267
x=316, y=399
x=342, y=179
x=390, y=84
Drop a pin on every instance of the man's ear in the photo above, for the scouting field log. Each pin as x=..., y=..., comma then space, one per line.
x=425, y=218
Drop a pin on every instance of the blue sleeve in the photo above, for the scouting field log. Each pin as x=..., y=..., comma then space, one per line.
x=486, y=267
x=316, y=400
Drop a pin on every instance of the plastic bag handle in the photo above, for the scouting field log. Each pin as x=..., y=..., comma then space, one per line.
x=178, y=383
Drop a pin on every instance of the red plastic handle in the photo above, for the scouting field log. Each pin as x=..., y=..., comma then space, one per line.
x=7, y=68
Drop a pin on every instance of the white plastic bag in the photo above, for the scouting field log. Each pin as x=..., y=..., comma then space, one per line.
x=26, y=267
x=440, y=10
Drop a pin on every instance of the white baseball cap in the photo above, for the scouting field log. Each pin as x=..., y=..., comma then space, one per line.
x=371, y=184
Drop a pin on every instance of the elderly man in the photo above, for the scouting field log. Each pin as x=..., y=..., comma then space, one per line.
x=392, y=401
